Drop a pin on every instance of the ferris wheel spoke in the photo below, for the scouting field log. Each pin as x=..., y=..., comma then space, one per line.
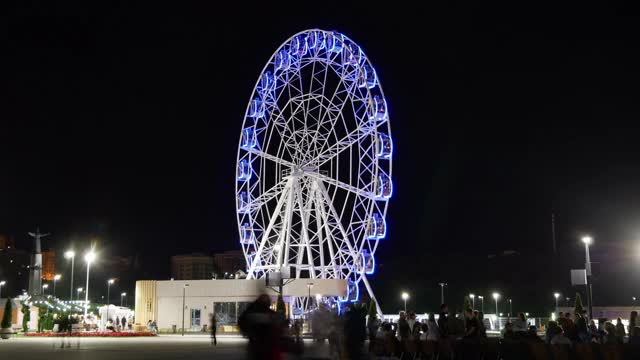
x=270, y=157
x=342, y=185
x=346, y=142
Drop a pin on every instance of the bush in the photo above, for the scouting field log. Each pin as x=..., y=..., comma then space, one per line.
x=8, y=316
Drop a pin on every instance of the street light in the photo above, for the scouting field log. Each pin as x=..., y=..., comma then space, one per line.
x=79, y=291
x=1, y=285
x=442, y=285
x=481, y=302
x=309, y=286
x=44, y=287
x=70, y=254
x=89, y=258
x=634, y=301
x=496, y=296
x=557, y=296
x=588, y=240
x=473, y=301
x=56, y=277
x=510, y=308
x=405, y=296
x=184, y=290
x=122, y=297
x=109, y=283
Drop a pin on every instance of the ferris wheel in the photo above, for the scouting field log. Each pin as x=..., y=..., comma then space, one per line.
x=313, y=177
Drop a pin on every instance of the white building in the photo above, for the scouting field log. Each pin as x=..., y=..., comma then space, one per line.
x=162, y=301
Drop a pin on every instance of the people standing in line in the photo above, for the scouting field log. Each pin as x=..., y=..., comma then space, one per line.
x=214, y=329
x=433, y=331
x=403, y=326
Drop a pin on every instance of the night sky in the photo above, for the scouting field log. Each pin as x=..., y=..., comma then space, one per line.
x=120, y=125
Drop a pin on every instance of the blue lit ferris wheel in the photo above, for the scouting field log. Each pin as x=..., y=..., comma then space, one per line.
x=313, y=177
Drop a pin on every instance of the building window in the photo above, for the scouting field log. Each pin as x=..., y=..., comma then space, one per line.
x=195, y=317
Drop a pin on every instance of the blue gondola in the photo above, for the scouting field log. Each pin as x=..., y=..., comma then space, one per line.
x=249, y=139
x=353, y=292
x=377, y=227
x=299, y=46
x=243, y=202
x=266, y=83
x=367, y=263
x=384, y=187
x=384, y=146
x=283, y=60
x=367, y=77
x=334, y=42
x=244, y=170
x=256, y=109
x=354, y=56
x=315, y=40
x=246, y=234
x=378, y=109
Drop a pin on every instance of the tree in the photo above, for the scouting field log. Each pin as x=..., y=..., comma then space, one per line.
x=373, y=312
x=578, y=305
x=467, y=304
x=7, y=317
x=26, y=317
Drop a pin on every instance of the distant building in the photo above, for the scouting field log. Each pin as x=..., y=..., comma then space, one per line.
x=6, y=242
x=196, y=266
x=48, y=264
x=229, y=261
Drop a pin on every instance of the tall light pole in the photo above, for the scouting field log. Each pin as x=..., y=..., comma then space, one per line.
x=557, y=296
x=634, y=301
x=56, y=277
x=184, y=291
x=587, y=240
x=44, y=287
x=473, y=301
x=70, y=254
x=481, y=302
x=510, y=308
x=109, y=283
x=89, y=258
x=496, y=296
x=442, y=285
x=309, y=287
x=122, y=297
x=405, y=296
x=1, y=285
x=79, y=292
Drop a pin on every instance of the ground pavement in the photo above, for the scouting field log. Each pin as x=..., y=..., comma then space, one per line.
x=155, y=348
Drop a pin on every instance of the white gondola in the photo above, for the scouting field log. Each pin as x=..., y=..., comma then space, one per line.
x=384, y=146
x=377, y=228
x=246, y=234
x=299, y=46
x=354, y=56
x=378, y=109
x=256, y=109
x=367, y=263
x=243, y=202
x=315, y=40
x=283, y=60
x=384, y=187
x=249, y=140
x=334, y=43
x=244, y=170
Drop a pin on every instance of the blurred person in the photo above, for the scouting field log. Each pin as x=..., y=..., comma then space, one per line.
x=634, y=336
x=633, y=318
x=559, y=338
x=620, y=332
x=214, y=329
x=520, y=324
x=261, y=326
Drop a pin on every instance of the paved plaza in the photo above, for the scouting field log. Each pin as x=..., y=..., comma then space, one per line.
x=155, y=348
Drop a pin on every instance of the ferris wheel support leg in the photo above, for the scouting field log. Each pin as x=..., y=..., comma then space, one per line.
x=372, y=295
x=334, y=213
x=305, y=233
x=256, y=259
x=285, y=237
x=325, y=224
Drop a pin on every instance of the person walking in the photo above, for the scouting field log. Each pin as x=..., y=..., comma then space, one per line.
x=124, y=323
x=118, y=323
x=214, y=328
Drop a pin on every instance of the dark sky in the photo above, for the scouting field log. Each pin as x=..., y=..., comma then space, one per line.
x=120, y=123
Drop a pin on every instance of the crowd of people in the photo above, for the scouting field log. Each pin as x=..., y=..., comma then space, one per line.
x=579, y=329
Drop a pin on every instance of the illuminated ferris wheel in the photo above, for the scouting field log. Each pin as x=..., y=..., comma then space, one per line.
x=313, y=176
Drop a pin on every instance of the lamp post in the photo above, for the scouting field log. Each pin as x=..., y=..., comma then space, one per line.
x=56, y=277
x=1, y=285
x=567, y=299
x=405, y=296
x=309, y=287
x=89, y=258
x=510, y=308
x=481, y=302
x=634, y=301
x=70, y=254
x=122, y=297
x=557, y=296
x=109, y=282
x=184, y=290
x=587, y=240
x=442, y=285
x=44, y=287
x=473, y=301
x=496, y=296
x=79, y=291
